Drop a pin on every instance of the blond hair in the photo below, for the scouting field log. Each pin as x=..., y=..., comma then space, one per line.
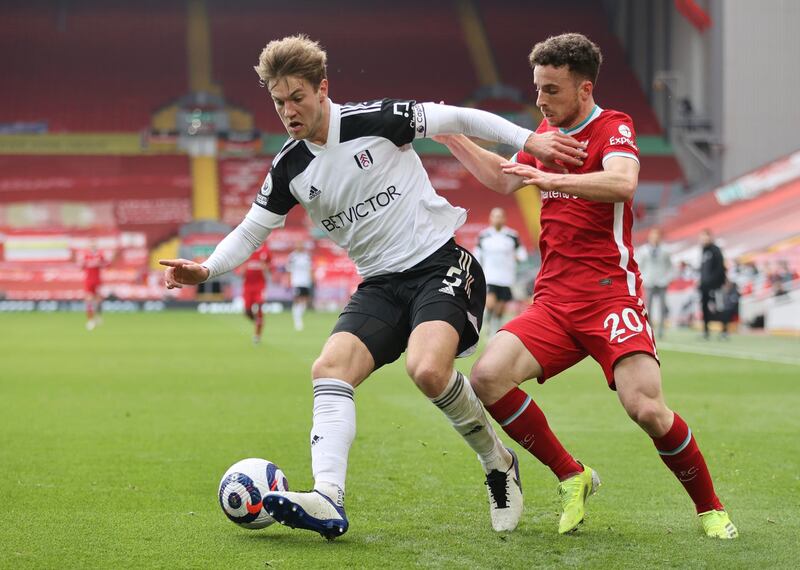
x=293, y=55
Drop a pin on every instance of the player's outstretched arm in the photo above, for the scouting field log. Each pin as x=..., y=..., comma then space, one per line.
x=230, y=253
x=481, y=163
x=616, y=183
x=553, y=149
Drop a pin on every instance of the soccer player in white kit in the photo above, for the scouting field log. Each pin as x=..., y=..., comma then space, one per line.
x=353, y=170
x=498, y=251
x=300, y=266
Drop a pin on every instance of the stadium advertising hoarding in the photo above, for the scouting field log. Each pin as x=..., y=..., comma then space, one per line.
x=761, y=181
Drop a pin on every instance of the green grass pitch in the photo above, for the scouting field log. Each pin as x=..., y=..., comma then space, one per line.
x=112, y=443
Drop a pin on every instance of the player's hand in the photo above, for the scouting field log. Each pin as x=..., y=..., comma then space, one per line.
x=530, y=175
x=556, y=150
x=182, y=272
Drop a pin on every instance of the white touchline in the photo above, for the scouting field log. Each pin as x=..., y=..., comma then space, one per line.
x=729, y=353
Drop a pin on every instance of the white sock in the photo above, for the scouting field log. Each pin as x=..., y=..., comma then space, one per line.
x=332, y=433
x=297, y=314
x=465, y=411
x=497, y=322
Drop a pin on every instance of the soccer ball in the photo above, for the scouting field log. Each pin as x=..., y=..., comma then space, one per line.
x=243, y=488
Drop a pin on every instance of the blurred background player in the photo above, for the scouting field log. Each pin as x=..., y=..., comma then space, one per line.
x=727, y=305
x=299, y=264
x=256, y=270
x=498, y=251
x=712, y=277
x=655, y=266
x=92, y=261
x=587, y=296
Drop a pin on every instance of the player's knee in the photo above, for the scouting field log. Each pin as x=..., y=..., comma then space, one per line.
x=648, y=413
x=483, y=377
x=326, y=366
x=430, y=377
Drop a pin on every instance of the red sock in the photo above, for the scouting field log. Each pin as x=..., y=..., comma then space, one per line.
x=90, y=310
x=259, y=321
x=522, y=419
x=678, y=450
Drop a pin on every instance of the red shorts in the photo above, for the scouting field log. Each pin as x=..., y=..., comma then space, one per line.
x=559, y=335
x=253, y=296
x=91, y=287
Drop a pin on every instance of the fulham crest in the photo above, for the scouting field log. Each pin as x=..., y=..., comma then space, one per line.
x=364, y=160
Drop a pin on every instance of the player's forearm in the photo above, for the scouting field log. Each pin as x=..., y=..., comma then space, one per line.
x=236, y=247
x=606, y=186
x=483, y=165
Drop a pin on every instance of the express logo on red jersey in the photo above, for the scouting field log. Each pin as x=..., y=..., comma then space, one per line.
x=625, y=139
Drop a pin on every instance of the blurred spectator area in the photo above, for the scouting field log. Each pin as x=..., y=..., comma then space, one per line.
x=147, y=194
x=90, y=65
x=749, y=216
x=517, y=25
x=754, y=219
x=51, y=207
x=414, y=50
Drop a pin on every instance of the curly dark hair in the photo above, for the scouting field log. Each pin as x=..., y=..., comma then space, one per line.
x=574, y=50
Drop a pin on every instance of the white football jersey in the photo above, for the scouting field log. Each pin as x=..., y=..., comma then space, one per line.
x=366, y=188
x=498, y=252
x=299, y=265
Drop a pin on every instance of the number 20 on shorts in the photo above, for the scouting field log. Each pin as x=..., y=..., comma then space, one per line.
x=627, y=317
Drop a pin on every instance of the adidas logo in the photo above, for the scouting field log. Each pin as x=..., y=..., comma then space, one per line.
x=314, y=193
x=448, y=289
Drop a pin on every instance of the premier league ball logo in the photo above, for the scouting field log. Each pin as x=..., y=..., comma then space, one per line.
x=242, y=491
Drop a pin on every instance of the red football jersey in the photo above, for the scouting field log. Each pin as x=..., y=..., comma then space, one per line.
x=586, y=246
x=255, y=267
x=92, y=262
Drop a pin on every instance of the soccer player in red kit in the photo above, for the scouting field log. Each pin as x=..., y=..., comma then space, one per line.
x=587, y=298
x=255, y=280
x=92, y=261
